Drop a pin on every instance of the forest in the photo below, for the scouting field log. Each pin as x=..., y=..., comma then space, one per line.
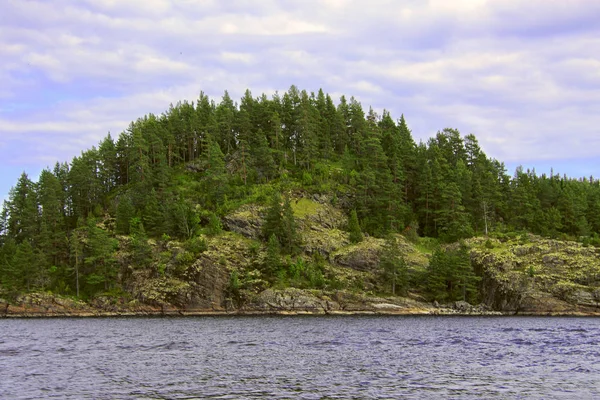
x=175, y=176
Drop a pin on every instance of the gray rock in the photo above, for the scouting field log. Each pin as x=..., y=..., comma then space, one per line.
x=360, y=260
x=246, y=221
x=209, y=281
x=462, y=306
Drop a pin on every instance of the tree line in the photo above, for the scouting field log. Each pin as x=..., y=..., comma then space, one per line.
x=168, y=175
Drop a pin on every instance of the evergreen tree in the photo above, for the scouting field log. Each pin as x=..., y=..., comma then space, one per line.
x=273, y=223
x=354, y=228
x=22, y=210
x=450, y=276
x=273, y=258
x=262, y=159
x=141, y=250
x=26, y=273
x=76, y=246
x=125, y=212
x=108, y=173
x=393, y=266
x=280, y=222
x=215, y=182
x=52, y=241
x=99, y=257
x=152, y=216
x=9, y=274
x=85, y=186
x=289, y=239
x=225, y=119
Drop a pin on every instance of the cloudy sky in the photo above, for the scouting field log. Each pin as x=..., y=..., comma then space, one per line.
x=523, y=76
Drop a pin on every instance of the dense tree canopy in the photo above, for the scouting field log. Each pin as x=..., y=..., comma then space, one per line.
x=173, y=173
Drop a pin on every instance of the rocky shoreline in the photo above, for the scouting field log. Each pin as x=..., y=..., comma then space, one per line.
x=47, y=306
x=532, y=277
x=181, y=313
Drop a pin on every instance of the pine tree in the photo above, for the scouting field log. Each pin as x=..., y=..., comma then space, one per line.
x=262, y=159
x=152, y=216
x=280, y=222
x=215, y=183
x=273, y=219
x=466, y=280
x=85, y=186
x=225, y=118
x=141, y=250
x=52, y=242
x=99, y=257
x=9, y=275
x=273, y=258
x=450, y=276
x=354, y=228
x=76, y=246
x=393, y=266
x=108, y=173
x=125, y=212
x=289, y=239
x=23, y=210
x=26, y=267
x=376, y=197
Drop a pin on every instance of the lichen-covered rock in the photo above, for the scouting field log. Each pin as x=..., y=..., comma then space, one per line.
x=323, y=241
x=163, y=291
x=292, y=299
x=541, y=276
x=311, y=214
x=363, y=256
x=208, y=281
x=247, y=221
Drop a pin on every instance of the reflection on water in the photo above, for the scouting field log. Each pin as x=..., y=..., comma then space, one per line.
x=300, y=358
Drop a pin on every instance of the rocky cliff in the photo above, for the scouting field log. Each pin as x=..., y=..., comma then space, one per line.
x=224, y=273
x=533, y=275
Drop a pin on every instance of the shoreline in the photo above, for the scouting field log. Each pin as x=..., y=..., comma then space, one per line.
x=296, y=313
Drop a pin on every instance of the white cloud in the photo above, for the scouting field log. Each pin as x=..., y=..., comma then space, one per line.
x=523, y=77
x=232, y=56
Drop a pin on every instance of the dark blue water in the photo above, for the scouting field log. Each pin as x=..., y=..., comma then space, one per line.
x=300, y=358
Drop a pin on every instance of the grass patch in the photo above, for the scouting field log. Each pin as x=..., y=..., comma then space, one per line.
x=426, y=245
x=304, y=207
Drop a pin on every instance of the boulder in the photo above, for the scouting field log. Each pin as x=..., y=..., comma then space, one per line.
x=363, y=256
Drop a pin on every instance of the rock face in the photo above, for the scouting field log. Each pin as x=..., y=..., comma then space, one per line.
x=363, y=256
x=293, y=300
x=529, y=275
x=538, y=275
x=209, y=281
x=246, y=221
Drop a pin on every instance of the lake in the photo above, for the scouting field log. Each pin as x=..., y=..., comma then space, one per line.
x=342, y=357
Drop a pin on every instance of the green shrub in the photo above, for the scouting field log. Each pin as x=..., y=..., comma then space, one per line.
x=307, y=179
x=196, y=245
x=411, y=232
x=214, y=225
x=184, y=258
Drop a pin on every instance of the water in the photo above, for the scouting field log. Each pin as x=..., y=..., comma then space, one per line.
x=300, y=358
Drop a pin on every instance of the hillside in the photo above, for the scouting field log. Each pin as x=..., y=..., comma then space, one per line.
x=293, y=203
x=226, y=273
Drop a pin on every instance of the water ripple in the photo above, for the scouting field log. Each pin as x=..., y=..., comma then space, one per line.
x=300, y=358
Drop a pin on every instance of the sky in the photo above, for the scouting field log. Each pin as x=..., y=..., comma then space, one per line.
x=523, y=76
